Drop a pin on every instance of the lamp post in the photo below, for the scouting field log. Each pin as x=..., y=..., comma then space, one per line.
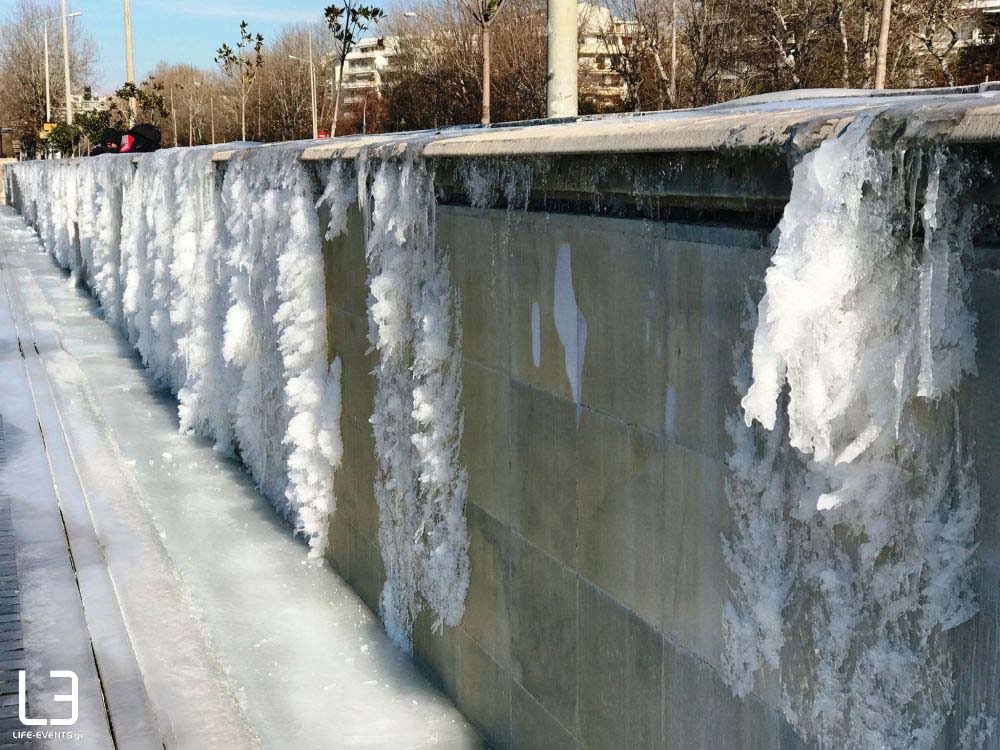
x=191, y=111
x=65, y=34
x=312, y=86
x=561, y=88
x=133, y=104
x=226, y=104
x=173, y=113
x=48, y=86
x=211, y=109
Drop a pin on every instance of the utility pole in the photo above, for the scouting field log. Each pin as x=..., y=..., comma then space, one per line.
x=65, y=31
x=883, y=45
x=211, y=109
x=487, y=64
x=561, y=88
x=133, y=105
x=312, y=86
x=48, y=86
x=173, y=113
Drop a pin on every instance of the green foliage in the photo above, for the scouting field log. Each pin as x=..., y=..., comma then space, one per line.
x=64, y=137
x=487, y=11
x=148, y=95
x=349, y=21
x=241, y=64
x=91, y=125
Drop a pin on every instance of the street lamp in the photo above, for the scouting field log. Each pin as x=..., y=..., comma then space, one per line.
x=69, y=102
x=312, y=85
x=48, y=87
x=173, y=112
x=133, y=104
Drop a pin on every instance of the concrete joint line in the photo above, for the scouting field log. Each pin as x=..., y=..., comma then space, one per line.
x=118, y=670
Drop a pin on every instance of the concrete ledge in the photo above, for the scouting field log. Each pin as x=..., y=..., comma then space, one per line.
x=781, y=125
x=783, y=122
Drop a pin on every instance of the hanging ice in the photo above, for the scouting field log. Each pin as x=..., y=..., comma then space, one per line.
x=219, y=284
x=287, y=405
x=420, y=484
x=855, y=529
x=231, y=317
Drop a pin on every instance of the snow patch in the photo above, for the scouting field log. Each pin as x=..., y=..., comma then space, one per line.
x=570, y=323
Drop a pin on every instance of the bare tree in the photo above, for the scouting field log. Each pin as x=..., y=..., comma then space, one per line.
x=436, y=77
x=22, y=67
x=285, y=86
x=348, y=21
x=634, y=33
x=939, y=36
x=241, y=67
x=484, y=12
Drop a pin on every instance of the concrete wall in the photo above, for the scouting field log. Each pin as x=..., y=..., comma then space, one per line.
x=594, y=612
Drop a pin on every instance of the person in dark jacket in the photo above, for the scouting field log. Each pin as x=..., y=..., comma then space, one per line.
x=110, y=143
x=141, y=139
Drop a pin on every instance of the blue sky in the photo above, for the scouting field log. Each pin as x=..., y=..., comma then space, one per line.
x=177, y=30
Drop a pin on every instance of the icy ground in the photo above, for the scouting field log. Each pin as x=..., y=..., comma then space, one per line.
x=238, y=639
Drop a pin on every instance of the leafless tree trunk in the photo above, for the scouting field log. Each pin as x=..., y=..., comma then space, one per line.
x=485, y=36
x=845, y=46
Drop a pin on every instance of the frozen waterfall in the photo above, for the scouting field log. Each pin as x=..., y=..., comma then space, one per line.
x=219, y=284
x=854, y=504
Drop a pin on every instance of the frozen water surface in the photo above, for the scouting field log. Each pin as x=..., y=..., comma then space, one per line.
x=223, y=608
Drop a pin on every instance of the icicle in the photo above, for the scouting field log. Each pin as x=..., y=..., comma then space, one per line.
x=205, y=399
x=860, y=539
x=232, y=316
x=420, y=485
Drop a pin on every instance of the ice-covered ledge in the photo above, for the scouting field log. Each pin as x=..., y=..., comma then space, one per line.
x=964, y=115
x=593, y=351
x=785, y=122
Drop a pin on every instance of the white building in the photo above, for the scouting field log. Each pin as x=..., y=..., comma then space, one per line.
x=366, y=65
x=600, y=35
x=85, y=103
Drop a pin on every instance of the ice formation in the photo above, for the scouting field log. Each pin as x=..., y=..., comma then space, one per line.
x=854, y=506
x=219, y=284
x=414, y=318
x=571, y=326
x=229, y=315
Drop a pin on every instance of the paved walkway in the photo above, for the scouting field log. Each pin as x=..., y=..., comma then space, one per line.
x=151, y=567
x=12, y=656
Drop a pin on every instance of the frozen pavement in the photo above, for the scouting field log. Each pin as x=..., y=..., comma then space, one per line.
x=192, y=615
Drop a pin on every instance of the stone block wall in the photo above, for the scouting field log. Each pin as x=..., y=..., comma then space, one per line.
x=593, y=616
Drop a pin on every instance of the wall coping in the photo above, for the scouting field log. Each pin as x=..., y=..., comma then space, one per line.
x=784, y=122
